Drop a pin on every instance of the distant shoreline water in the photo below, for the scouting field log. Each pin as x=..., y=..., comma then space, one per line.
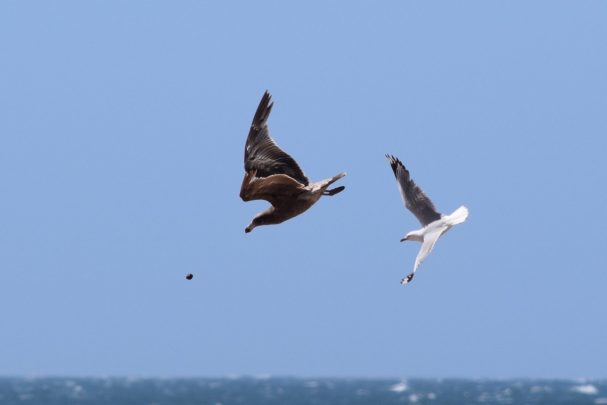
x=285, y=390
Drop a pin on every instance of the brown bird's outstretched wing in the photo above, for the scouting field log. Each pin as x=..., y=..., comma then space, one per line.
x=276, y=189
x=262, y=153
x=414, y=198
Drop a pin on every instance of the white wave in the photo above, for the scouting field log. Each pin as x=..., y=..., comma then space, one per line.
x=602, y=400
x=413, y=398
x=311, y=384
x=400, y=387
x=361, y=392
x=77, y=391
x=587, y=389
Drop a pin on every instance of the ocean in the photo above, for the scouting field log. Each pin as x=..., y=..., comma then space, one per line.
x=293, y=391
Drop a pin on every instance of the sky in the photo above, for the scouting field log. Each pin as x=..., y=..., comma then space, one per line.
x=122, y=130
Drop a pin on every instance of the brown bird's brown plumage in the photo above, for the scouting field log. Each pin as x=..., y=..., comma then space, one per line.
x=272, y=175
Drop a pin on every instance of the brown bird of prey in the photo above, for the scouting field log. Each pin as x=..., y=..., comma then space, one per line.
x=272, y=175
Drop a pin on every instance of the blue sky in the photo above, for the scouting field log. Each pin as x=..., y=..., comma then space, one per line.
x=122, y=130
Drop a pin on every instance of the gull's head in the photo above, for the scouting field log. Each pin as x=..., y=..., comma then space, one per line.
x=413, y=235
x=408, y=236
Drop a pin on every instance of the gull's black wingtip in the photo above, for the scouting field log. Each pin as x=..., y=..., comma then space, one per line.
x=393, y=162
x=393, y=159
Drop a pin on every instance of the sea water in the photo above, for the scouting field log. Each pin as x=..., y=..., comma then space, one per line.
x=293, y=391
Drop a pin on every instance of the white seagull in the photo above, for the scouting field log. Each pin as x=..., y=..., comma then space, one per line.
x=434, y=223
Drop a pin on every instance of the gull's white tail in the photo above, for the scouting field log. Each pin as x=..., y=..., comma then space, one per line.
x=458, y=216
x=430, y=237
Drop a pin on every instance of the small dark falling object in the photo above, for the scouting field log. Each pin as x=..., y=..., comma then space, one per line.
x=189, y=276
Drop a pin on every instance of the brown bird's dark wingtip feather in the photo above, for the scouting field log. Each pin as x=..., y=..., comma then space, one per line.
x=263, y=110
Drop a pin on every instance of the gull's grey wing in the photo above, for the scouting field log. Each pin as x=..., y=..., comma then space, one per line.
x=262, y=154
x=414, y=198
